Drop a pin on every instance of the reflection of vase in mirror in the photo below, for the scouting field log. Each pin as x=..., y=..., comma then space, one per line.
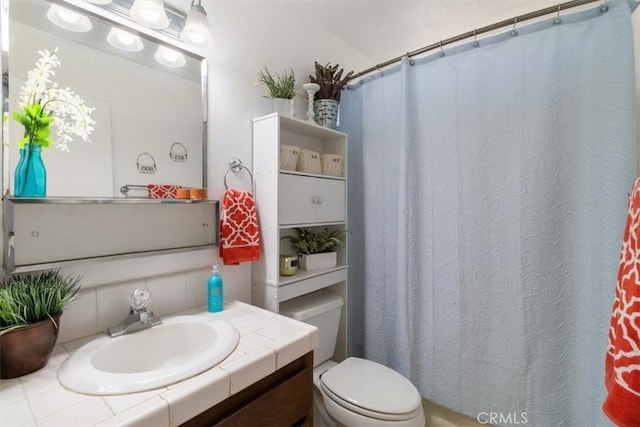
x=283, y=106
x=30, y=179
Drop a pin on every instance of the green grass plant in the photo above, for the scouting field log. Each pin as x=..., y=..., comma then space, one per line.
x=33, y=297
x=279, y=86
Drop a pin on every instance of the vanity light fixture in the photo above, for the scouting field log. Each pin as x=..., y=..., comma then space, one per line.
x=68, y=19
x=150, y=13
x=169, y=57
x=196, y=30
x=124, y=40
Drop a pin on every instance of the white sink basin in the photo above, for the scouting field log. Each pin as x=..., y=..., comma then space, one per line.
x=179, y=348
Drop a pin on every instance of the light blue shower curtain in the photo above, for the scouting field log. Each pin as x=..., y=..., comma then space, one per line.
x=488, y=193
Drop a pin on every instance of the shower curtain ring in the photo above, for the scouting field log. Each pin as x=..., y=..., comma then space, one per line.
x=380, y=73
x=558, y=20
x=441, y=51
x=360, y=77
x=604, y=7
x=411, y=61
x=475, y=43
x=514, y=32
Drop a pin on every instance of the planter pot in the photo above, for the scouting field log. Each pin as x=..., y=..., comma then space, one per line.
x=318, y=261
x=283, y=106
x=325, y=112
x=27, y=349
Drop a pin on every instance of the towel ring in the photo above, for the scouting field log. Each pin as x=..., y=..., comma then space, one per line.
x=235, y=166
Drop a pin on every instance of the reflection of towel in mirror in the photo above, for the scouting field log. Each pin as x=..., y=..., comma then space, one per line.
x=622, y=367
x=239, y=233
x=162, y=191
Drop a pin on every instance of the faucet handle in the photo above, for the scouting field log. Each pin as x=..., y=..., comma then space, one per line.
x=139, y=299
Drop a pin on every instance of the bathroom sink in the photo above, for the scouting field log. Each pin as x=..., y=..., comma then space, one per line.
x=179, y=348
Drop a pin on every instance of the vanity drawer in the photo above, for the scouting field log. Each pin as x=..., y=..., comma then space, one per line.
x=284, y=398
x=286, y=405
x=307, y=199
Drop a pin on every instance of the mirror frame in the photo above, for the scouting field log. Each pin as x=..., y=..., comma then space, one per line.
x=119, y=20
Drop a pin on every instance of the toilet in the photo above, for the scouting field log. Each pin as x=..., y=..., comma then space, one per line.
x=355, y=392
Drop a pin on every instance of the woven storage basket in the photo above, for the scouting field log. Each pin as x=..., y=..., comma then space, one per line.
x=309, y=162
x=332, y=164
x=289, y=157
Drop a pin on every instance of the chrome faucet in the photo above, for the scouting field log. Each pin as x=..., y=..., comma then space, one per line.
x=139, y=317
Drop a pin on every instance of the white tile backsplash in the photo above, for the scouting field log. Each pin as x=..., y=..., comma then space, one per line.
x=113, y=303
x=197, y=287
x=235, y=281
x=79, y=318
x=100, y=307
x=168, y=294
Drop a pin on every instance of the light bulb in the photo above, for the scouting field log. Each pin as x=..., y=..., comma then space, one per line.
x=196, y=30
x=169, y=57
x=150, y=13
x=68, y=19
x=124, y=40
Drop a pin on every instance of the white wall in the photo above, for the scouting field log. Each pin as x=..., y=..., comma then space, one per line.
x=249, y=35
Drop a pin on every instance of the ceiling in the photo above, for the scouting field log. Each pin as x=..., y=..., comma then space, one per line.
x=383, y=29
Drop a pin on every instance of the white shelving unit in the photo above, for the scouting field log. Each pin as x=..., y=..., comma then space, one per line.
x=287, y=200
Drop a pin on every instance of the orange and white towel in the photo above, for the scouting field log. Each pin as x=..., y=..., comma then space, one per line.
x=239, y=233
x=622, y=370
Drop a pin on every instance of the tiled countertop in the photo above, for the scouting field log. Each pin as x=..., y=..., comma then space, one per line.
x=268, y=342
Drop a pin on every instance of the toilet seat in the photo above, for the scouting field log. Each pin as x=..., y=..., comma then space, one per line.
x=372, y=390
x=374, y=415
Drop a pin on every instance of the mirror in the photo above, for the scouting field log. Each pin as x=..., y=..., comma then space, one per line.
x=150, y=119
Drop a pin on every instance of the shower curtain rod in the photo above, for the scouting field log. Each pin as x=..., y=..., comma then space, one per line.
x=507, y=22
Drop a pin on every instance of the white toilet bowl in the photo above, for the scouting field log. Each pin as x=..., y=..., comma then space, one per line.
x=361, y=393
x=355, y=392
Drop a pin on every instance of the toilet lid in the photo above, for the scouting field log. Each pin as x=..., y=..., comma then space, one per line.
x=372, y=387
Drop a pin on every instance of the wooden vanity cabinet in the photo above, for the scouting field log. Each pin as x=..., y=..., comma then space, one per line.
x=284, y=398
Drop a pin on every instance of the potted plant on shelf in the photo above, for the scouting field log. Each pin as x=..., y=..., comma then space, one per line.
x=282, y=89
x=327, y=99
x=30, y=310
x=317, y=249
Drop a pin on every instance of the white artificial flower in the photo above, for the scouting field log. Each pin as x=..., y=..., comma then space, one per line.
x=70, y=115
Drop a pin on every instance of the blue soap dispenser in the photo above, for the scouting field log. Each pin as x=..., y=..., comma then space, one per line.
x=215, y=296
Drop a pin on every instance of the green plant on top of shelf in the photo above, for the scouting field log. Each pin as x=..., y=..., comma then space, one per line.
x=315, y=242
x=279, y=86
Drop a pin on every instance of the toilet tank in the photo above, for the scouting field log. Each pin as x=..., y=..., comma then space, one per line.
x=322, y=310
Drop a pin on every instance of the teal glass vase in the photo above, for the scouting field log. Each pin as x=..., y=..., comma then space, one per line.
x=30, y=179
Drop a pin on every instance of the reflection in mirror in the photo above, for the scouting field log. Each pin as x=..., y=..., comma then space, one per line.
x=148, y=98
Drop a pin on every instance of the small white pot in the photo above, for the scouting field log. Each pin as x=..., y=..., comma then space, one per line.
x=283, y=106
x=318, y=261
